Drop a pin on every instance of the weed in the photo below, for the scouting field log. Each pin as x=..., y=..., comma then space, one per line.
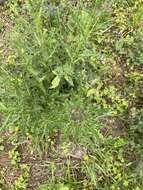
x=74, y=65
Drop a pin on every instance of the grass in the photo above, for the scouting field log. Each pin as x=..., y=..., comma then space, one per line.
x=71, y=96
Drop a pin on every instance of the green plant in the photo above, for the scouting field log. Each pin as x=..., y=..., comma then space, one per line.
x=73, y=66
x=22, y=180
x=56, y=187
x=45, y=67
x=1, y=145
x=14, y=156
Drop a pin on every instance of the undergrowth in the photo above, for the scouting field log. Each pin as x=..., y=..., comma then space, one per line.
x=76, y=70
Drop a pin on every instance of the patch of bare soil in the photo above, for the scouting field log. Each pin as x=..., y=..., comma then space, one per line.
x=9, y=172
x=40, y=165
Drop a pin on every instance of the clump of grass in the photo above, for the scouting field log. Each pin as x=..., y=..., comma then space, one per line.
x=74, y=65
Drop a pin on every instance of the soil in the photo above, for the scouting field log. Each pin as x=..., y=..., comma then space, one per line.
x=39, y=172
x=39, y=165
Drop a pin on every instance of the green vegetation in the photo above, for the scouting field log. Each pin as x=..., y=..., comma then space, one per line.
x=71, y=95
